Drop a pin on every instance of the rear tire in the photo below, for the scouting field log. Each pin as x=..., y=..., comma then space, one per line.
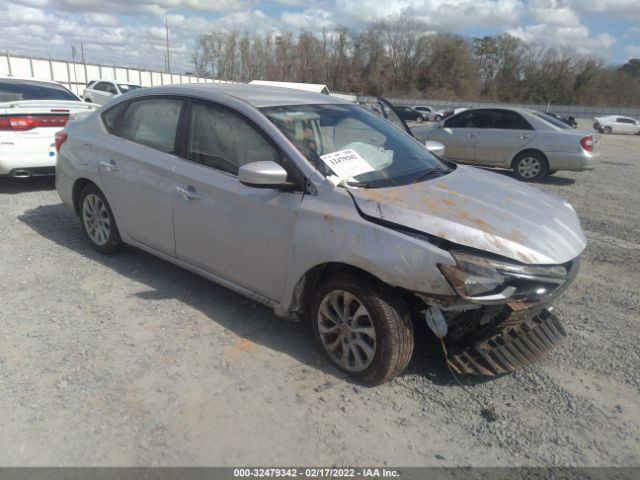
x=530, y=166
x=363, y=327
x=97, y=222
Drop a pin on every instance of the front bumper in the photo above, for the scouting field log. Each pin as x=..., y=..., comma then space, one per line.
x=511, y=349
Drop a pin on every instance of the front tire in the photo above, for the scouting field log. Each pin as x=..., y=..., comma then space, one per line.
x=97, y=222
x=363, y=328
x=530, y=166
x=438, y=118
x=606, y=130
x=420, y=120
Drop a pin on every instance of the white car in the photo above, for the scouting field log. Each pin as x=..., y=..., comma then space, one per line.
x=101, y=91
x=616, y=124
x=430, y=114
x=31, y=112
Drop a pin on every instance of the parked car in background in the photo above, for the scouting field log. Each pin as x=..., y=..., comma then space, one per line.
x=31, y=112
x=331, y=214
x=101, y=91
x=409, y=114
x=381, y=106
x=616, y=124
x=526, y=141
x=571, y=121
x=429, y=114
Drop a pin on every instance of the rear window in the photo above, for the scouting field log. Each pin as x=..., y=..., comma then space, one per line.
x=15, y=90
x=552, y=120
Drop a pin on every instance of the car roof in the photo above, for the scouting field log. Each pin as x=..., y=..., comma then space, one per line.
x=256, y=95
x=28, y=79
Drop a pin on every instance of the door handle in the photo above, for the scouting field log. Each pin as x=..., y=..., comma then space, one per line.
x=189, y=193
x=109, y=165
x=524, y=137
x=472, y=135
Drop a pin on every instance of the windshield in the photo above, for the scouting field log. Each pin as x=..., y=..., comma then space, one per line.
x=127, y=87
x=552, y=120
x=15, y=90
x=350, y=144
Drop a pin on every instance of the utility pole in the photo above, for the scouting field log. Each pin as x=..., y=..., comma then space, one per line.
x=166, y=23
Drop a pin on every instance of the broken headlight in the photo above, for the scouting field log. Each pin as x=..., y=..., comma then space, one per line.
x=486, y=280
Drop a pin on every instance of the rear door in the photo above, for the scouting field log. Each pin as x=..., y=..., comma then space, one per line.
x=502, y=134
x=239, y=233
x=136, y=166
x=626, y=125
x=458, y=134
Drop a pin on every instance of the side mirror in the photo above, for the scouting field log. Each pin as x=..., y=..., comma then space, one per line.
x=266, y=174
x=436, y=148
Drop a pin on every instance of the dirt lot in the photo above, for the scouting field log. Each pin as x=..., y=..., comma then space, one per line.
x=128, y=360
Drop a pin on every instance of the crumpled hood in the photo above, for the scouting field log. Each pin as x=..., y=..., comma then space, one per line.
x=482, y=210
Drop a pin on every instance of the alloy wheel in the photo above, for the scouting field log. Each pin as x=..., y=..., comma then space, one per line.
x=96, y=219
x=347, y=331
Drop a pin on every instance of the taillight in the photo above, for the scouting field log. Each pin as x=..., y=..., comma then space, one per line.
x=60, y=138
x=29, y=122
x=587, y=143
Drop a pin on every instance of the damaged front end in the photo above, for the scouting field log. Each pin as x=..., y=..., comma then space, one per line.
x=501, y=319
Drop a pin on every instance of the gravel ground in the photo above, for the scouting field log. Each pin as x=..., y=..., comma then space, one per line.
x=128, y=360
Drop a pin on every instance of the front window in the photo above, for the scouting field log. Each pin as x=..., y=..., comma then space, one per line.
x=381, y=154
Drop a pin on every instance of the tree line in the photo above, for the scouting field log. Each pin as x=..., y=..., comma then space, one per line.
x=398, y=56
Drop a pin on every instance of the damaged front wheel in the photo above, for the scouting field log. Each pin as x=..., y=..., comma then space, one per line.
x=364, y=329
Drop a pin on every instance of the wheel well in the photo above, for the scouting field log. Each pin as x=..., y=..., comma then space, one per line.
x=528, y=150
x=303, y=293
x=78, y=186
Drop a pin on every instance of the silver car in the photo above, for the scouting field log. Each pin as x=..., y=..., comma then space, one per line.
x=325, y=211
x=429, y=114
x=530, y=143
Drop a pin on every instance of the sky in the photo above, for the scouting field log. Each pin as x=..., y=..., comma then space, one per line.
x=132, y=32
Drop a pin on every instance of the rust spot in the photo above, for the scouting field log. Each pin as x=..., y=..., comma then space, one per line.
x=477, y=221
x=524, y=257
x=517, y=236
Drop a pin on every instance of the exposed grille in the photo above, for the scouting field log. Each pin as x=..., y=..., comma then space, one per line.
x=512, y=349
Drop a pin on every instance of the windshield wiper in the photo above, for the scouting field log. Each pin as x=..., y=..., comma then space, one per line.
x=433, y=173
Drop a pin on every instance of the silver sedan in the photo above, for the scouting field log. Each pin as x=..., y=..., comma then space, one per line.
x=325, y=211
x=529, y=142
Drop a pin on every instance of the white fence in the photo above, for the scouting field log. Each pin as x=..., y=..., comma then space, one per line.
x=75, y=75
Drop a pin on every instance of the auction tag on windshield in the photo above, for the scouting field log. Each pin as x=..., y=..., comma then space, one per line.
x=346, y=163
